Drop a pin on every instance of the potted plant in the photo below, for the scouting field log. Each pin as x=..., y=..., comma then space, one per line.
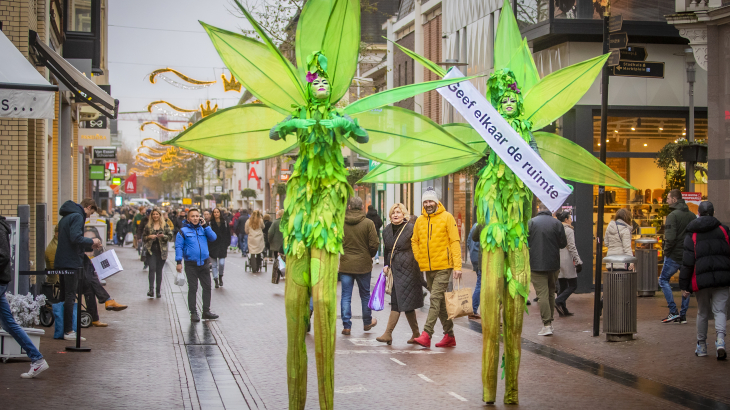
x=209, y=197
x=694, y=152
x=25, y=310
x=248, y=193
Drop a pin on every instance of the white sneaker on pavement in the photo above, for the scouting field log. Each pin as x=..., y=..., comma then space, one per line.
x=36, y=368
x=546, y=331
x=72, y=336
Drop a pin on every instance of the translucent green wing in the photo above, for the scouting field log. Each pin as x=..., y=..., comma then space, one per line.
x=393, y=174
x=468, y=135
x=435, y=68
x=570, y=161
x=257, y=68
x=508, y=38
x=401, y=137
x=333, y=27
x=397, y=94
x=558, y=92
x=523, y=65
x=239, y=133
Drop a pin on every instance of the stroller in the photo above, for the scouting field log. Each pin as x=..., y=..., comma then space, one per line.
x=254, y=263
x=53, y=296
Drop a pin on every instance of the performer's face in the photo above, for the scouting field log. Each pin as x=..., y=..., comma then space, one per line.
x=509, y=105
x=320, y=88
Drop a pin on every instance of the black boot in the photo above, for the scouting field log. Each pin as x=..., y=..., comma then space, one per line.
x=150, y=294
x=559, y=308
x=220, y=279
x=566, y=312
x=216, y=283
x=209, y=315
x=194, y=317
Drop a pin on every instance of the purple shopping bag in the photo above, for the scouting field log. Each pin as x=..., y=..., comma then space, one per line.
x=377, y=297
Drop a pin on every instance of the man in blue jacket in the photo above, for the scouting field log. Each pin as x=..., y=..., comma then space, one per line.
x=191, y=244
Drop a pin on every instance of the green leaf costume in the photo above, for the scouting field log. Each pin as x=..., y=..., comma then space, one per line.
x=298, y=111
x=503, y=201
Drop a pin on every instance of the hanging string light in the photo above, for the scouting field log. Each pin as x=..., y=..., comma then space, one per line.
x=196, y=84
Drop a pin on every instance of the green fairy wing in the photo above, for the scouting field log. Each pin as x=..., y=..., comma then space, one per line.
x=239, y=133
x=570, y=161
x=435, y=68
x=258, y=68
x=397, y=94
x=558, y=92
x=523, y=65
x=394, y=174
x=332, y=27
x=398, y=136
x=468, y=135
x=508, y=38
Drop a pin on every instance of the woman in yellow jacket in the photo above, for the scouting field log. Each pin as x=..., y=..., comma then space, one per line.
x=436, y=245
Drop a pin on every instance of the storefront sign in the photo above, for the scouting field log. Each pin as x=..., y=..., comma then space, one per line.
x=112, y=167
x=130, y=184
x=26, y=104
x=96, y=172
x=99, y=123
x=380, y=186
x=218, y=188
x=644, y=69
x=634, y=53
x=693, y=200
x=105, y=153
x=92, y=137
x=121, y=169
x=187, y=201
x=618, y=40
x=505, y=141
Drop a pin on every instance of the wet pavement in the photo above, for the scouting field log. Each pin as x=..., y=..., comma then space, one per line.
x=151, y=356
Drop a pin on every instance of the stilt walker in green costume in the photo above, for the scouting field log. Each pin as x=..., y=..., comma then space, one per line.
x=327, y=47
x=503, y=202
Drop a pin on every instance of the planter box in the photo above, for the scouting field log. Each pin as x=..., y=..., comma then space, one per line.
x=9, y=348
x=694, y=153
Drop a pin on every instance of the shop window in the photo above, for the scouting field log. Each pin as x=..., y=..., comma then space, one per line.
x=80, y=15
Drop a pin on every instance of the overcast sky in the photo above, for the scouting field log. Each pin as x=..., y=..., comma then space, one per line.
x=145, y=35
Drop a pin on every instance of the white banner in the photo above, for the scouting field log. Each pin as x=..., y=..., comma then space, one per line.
x=505, y=141
x=26, y=104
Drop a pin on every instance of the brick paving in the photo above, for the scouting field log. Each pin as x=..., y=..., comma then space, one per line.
x=152, y=357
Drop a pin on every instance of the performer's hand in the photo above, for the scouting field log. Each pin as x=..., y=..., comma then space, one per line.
x=457, y=274
x=337, y=122
x=300, y=123
x=179, y=268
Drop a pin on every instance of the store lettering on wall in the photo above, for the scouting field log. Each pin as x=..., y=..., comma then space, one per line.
x=505, y=141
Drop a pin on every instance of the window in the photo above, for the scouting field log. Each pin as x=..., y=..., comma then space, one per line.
x=80, y=15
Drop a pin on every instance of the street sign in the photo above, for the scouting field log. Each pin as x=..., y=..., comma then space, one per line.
x=105, y=153
x=112, y=167
x=614, y=58
x=96, y=172
x=644, y=69
x=615, y=23
x=634, y=53
x=618, y=40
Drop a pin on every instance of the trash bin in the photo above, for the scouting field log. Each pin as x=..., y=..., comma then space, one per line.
x=619, y=300
x=647, y=266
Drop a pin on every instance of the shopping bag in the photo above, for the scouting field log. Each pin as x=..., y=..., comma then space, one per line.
x=129, y=238
x=282, y=264
x=107, y=264
x=180, y=279
x=58, y=320
x=377, y=296
x=389, y=282
x=234, y=241
x=458, y=302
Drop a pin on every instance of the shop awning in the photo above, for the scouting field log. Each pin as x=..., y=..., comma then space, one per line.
x=24, y=93
x=83, y=88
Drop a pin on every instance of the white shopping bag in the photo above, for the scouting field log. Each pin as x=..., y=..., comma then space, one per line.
x=282, y=264
x=180, y=279
x=107, y=264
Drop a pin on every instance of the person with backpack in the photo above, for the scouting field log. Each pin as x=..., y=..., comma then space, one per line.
x=705, y=272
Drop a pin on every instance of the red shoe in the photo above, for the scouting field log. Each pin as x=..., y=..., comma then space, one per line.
x=423, y=340
x=447, y=341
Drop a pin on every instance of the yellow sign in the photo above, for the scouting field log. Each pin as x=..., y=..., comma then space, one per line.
x=187, y=201
x=94, y=137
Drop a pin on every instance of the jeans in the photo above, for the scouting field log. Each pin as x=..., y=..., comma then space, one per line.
x=363, y=286
x=156, y=264
x=477, y=291
x=243, y=243
x=668, y=270
x=715, y=300
x=8, y=323
x=194, y=274
x=567, y=287
x=218, y=265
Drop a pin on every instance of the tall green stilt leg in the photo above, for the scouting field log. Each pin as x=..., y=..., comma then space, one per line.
x=297, y=314
x=514, y=309
x=324, y=267
x=490, y=298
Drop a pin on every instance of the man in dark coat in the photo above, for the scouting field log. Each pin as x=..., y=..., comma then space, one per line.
x=706, y=273
x=373, y=216
x=674, y=233
x=240, y=229
x=72, y=244
x=546, y=238
x=360, y=243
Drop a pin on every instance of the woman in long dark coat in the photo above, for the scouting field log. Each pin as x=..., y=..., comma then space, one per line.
x=406, y=294
x=218, y=249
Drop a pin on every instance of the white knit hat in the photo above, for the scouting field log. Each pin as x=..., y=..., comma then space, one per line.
x=429, y=195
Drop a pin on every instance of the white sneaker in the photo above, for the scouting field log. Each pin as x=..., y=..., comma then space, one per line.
x=72, y=336
x=552, y=329
x=35, y=369
x=546, y=331
x=103, y=282
x=377, y=261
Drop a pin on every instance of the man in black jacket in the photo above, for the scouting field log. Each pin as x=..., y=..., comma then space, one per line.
x=706, y=273
x=674, y=233
x=70, y=253
x=546, y=238
x=38, y=364
x=240, y=229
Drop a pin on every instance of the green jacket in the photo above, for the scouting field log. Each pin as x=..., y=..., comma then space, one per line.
x=675, y=228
